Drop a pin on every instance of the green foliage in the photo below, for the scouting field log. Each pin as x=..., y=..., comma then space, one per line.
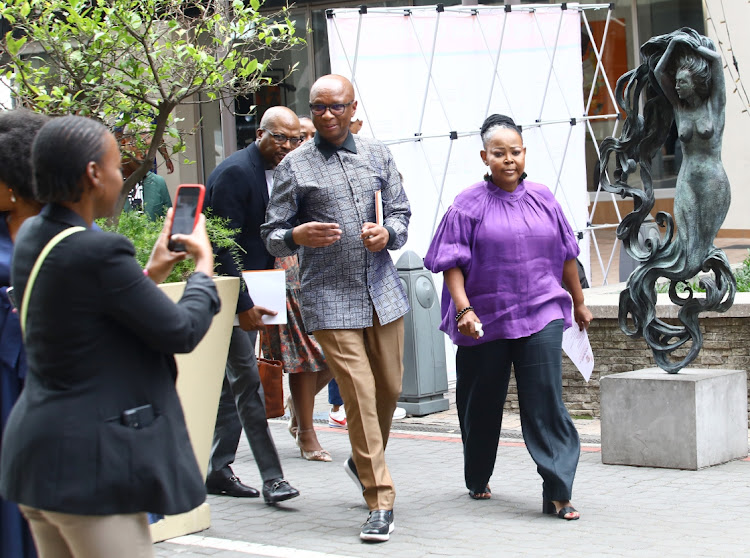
x=741, y=274
x=143, y=233
x=131, y=62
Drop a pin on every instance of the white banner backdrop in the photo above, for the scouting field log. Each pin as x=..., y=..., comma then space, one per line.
x=423, y=77
x=423, y=73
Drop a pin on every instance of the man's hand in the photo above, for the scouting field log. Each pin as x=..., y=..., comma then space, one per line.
x=252, y=319
x=374, y=237
x=316, y=235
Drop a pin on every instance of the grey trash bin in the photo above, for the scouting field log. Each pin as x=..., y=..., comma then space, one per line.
x=425, y=375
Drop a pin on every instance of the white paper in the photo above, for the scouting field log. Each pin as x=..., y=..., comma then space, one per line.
x=267, y=288
x=576, y=345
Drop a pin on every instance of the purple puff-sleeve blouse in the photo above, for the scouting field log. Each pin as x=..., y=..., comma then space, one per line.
x=511, y=247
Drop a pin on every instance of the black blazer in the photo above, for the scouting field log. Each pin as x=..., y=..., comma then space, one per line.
x=99, y=340
x=237, y=190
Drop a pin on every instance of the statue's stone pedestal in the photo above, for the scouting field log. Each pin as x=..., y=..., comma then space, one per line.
x=690, y=420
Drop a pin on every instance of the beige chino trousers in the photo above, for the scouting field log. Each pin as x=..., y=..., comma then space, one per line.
x=368, y=367
x=65, y=535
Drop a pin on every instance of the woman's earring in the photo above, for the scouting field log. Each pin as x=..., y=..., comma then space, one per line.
x=12, y=196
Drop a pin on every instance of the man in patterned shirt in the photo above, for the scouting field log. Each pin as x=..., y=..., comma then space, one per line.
x=324, y=205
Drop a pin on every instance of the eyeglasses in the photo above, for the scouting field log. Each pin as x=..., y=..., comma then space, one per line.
x=337, y=109
x=281, y=139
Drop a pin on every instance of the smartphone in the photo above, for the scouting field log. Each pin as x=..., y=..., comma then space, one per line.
x=138, y=417
x=187, y=208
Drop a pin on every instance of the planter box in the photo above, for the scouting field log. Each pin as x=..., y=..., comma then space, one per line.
x=199, y=380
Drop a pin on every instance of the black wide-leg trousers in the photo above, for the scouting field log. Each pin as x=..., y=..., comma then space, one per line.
x=482, y=376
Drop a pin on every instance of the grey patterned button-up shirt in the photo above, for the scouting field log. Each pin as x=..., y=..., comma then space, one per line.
x=341, y=283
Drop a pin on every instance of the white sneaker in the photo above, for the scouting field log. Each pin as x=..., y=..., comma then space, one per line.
x=337, y=419
x=399, y=413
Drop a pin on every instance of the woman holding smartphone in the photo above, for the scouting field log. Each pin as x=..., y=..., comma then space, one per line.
x=98, y=438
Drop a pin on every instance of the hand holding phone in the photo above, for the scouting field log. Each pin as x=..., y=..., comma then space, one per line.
x=197, y=244
x=187, y=209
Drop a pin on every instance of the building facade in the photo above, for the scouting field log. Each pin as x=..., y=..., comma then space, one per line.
x=222, y=131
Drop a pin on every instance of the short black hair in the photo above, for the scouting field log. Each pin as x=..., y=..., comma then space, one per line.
x=18, y=128
x=62, y=150
x=497, y=121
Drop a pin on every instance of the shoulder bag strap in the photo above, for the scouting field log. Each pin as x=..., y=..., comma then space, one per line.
x=37, y=265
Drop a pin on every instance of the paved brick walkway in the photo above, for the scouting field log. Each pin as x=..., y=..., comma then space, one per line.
x=626, y=511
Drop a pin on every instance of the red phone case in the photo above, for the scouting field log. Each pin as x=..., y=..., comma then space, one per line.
x=199, y=208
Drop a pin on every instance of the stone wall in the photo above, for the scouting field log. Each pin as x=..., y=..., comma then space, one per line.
x=726, y=344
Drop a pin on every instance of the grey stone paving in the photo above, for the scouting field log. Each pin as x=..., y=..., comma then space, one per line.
x=626, y=511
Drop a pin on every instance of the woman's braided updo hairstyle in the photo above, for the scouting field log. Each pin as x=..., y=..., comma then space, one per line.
x=61, y=152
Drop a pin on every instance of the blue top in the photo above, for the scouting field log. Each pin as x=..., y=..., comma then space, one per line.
x=15, y=538
x=12, y=355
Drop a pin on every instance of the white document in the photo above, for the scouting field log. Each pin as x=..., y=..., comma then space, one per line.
x=576, y=345
x=267, y=288
x=378, y=207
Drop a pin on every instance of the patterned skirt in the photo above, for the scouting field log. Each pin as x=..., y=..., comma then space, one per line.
x=290, y=343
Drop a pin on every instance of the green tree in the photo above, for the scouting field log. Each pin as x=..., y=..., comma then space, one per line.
x=131, y=62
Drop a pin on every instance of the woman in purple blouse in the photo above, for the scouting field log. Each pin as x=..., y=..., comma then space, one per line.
x=505, y=249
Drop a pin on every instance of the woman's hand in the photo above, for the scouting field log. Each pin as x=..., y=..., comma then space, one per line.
x=582, y=316
x=198, y=246
x=162, y=259
x=466, y=325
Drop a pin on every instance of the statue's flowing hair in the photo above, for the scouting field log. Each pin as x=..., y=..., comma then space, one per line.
x=641, y=138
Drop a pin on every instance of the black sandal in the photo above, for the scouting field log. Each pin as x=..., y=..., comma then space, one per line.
x=481, y=495
x=548, y=507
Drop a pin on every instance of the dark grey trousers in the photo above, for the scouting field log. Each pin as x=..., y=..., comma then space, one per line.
x=482, y=376
x=242, y=405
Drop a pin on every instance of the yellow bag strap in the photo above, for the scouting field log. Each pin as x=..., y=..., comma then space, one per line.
x=37, y=265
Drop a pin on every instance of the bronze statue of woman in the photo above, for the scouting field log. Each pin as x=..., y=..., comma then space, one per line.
x=683, y=77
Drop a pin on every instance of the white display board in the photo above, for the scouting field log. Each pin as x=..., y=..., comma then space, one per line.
x=421, y=74
x=426, y=78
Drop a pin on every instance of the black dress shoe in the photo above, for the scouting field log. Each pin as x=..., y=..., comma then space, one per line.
x=278, y=490
x=351, y=470
x=378, y=527
x=229, y=486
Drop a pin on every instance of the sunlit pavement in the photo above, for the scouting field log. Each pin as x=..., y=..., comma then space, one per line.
x=625, y=511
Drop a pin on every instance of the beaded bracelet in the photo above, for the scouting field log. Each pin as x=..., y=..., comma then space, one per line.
x=464, y=311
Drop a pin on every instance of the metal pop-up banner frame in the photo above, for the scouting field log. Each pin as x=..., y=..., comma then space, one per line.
x=426, y=77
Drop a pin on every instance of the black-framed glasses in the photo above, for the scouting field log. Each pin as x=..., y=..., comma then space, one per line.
x=336, y=109
x=281, y=139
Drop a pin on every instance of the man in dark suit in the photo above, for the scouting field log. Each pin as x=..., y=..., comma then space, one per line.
x=238, y=189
